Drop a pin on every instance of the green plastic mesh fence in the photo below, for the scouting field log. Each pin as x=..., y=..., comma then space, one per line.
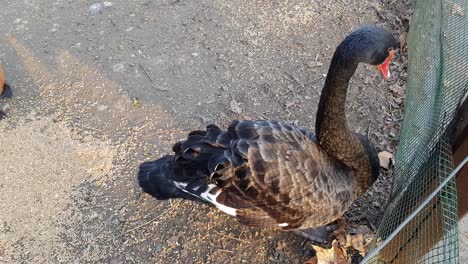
x=437, y=83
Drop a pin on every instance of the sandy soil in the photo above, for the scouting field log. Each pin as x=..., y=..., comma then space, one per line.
x=102, y=86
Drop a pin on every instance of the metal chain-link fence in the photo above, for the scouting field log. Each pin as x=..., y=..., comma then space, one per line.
x=437, y=83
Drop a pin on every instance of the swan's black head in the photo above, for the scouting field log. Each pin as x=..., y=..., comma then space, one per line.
x=372, y=45
x=155, y=178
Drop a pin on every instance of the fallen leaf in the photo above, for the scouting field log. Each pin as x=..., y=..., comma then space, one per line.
x=313, y=260
x=386, y=159
x=136, y=102
x=341, y=257
x=457, y=10
x=288, y=104
x=312, y=64
x=324, y=255
x=358, y=243
x=403, y=39
x=281, y=245
x=334, y=255
x=397, y=89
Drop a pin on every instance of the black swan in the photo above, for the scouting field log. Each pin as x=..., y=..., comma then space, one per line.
x=271, y=174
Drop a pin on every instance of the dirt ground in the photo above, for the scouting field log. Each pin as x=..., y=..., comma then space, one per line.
x=102, y=86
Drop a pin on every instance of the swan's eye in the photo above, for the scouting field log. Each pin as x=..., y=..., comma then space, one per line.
x=392, y=50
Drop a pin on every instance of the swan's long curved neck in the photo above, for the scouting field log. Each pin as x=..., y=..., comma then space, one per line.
x=334, y=135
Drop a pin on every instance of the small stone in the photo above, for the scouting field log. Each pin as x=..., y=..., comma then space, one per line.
x=95, y=8
x=107, y=4
x=235, y=107
x=119, y=67
x=116, y=260
x=312, y=64
x=101, y=108
x=121, y=218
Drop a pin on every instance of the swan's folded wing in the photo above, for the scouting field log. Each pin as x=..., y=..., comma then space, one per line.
x=278, y=175
x=265, y=173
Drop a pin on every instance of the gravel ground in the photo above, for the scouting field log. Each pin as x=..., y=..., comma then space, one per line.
x=102, y=86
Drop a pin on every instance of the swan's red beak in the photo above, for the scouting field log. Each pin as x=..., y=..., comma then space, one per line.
x=384, y=68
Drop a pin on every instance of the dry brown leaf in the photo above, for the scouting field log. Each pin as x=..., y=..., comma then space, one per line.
x=281, y=245
x=324, y=255
x=457, y=10
x=235, y=107
x=348, y=236
x=358, y=243
x=334, y=255
x=340, y=254
x=313, y=260
x=403, y=39
x=385, y=159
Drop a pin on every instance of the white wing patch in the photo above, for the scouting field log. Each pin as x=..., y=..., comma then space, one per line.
x=212, y=199
x=180, y=185
x=207, y=196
